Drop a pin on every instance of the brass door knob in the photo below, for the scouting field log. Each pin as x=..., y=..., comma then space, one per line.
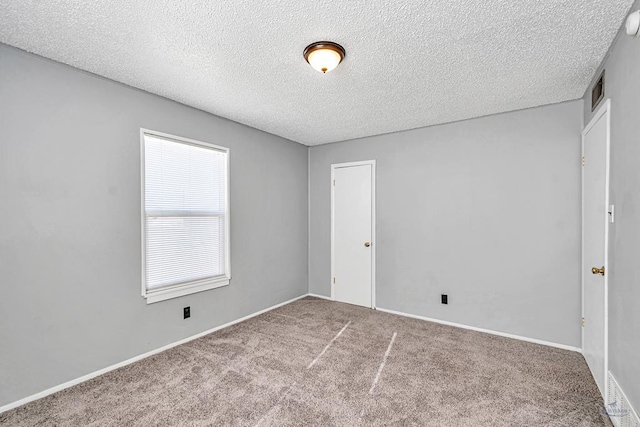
x=367, y=244
x=596, y=270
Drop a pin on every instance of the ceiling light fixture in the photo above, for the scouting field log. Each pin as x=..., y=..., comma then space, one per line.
x=633, y=24
x=324, y=56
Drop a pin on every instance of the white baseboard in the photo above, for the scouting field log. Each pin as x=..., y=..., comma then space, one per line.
x=618, y=407
x=319, y=296
x=99, y=372
x=486, y=331
x=473, y=328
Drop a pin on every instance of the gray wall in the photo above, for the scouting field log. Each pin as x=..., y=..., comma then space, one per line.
x=70, y=232
x=623, y=88
x=485, y=210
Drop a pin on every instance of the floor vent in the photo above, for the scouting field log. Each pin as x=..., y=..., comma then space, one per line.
x=618, y=408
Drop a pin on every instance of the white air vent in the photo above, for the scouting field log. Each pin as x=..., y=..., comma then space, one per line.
x=618, y=408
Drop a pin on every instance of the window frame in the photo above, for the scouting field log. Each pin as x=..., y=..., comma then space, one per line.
x=192, y=287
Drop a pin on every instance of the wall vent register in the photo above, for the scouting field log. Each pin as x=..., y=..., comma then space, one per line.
x=597, y=93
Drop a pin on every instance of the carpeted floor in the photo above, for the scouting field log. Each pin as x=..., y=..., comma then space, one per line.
x=317, y=362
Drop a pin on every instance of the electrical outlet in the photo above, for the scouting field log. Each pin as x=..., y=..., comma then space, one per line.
x=187, y=312
x=444, y=298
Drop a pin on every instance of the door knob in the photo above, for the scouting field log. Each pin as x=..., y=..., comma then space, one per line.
x=596, y=270
x=367, y=244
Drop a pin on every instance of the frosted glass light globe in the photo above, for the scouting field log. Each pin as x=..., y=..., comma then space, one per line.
x=633, y=24
x=324, y=60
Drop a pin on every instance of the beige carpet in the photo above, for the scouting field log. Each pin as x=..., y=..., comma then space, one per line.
x=317, y=362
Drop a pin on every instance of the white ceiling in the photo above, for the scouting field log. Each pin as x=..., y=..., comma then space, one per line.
x=409, y=63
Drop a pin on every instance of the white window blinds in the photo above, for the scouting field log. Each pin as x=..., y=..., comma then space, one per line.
x=185, y=213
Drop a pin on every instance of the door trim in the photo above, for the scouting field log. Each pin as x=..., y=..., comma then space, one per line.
x=604, y=110
x=374, y=243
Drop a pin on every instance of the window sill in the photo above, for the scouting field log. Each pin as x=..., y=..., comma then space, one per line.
x=187, y=289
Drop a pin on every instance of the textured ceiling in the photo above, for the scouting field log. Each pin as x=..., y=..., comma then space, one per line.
x=409, y=63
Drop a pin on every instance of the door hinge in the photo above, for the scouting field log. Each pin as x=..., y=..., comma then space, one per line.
x=583, y=322
x=334, y=182
x=334, y=280
x=582, y=160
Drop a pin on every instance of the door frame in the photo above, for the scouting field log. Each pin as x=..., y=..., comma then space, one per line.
x=373, y=224
x=604, y=110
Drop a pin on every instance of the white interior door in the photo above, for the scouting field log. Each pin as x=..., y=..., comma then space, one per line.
x=352, y=252
x=595, y=223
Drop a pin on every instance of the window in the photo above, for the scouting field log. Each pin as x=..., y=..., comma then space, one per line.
x=185, y=223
